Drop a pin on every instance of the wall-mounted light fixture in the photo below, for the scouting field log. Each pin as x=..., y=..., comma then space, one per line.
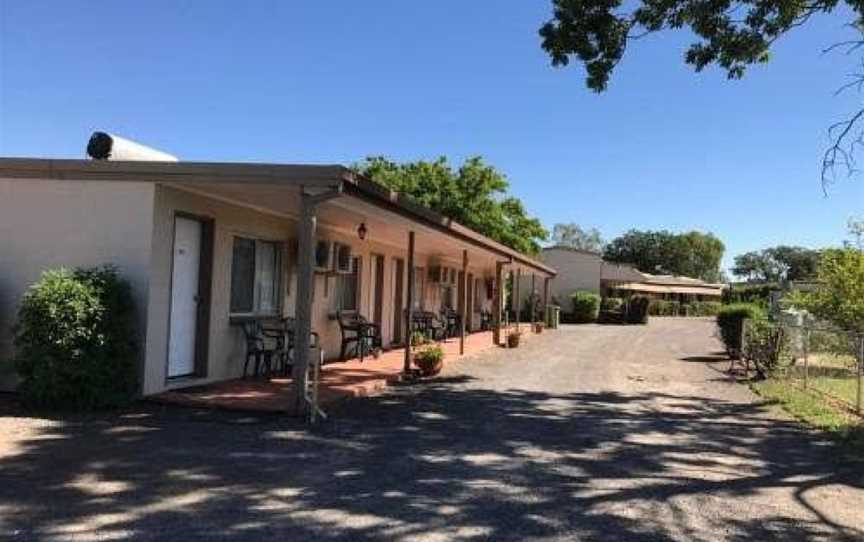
x=361, y=231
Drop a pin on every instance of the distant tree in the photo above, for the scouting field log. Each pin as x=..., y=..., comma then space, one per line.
x=693, y=254
x=856, y=231
x=697, y=254
x=731, y=34
x=839, y=297
x=475, y=195
x=574, y=236
x=754, y=266
x=777, y=264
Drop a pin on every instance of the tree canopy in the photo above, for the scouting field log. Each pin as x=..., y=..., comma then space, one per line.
x=731, y=34
x=839, y=298
x=856, y=232
x=475, y=195
x=574, y=236
x=692, y=254
x=777, y=264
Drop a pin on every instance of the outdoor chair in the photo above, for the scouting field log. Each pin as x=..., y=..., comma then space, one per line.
x=361, y=334
x=257, y=349
x=282, y=333
x=485, y=320
x=450, y=320
x=433, y=327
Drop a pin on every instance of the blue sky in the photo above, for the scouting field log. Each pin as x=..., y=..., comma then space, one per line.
x=333, y=82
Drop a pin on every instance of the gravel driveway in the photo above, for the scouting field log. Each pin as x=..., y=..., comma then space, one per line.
x=587, y=433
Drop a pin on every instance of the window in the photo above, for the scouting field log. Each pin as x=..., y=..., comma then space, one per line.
x=447, y=296
x=417, y=288
x=323, y=252
x=343, y=258
x=345, y=288
x=255, y=277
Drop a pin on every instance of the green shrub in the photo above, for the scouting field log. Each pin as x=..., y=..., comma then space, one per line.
x=768, y=347
x=611, y=304
x=76, y=340
x=759, y=294
x=662, y=307
x=612, y=311
x=729, y=324
x=637, y=310
x=704, y=308
x=586, y=306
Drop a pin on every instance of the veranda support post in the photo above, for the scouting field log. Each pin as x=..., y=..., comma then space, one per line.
x=545, y=299
x=515, y=296
x=305, y=284
x=499, y=300
x=533, y=298
x=409, y=309
x=463, y=302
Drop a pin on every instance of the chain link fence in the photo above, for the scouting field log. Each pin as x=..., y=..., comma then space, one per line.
x=818, y=360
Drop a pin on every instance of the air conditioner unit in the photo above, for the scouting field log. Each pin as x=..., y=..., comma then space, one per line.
x=323, y=255
x=342, y=260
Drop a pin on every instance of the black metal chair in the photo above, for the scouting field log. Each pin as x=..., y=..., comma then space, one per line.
x=432, y=326
x=356, y=330
x=257, y=349
x=451, y=321
x=485, y=320
x=282, y=333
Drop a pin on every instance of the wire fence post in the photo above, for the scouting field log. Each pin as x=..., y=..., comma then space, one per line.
x=860, y=373
x=806, y=357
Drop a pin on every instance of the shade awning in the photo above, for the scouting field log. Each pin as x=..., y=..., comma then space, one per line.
x=668, y=289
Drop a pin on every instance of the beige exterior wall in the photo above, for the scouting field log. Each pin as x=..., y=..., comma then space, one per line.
x=576, y=271
x=227, y=347
x=51, y=223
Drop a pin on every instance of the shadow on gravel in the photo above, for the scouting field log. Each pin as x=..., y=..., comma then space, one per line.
x=706, y=359
x=441, y=460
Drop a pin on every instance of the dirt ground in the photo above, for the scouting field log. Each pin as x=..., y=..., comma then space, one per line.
x=587, y=433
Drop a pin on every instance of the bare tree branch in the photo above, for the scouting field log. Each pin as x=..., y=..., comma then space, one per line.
x=842, y=151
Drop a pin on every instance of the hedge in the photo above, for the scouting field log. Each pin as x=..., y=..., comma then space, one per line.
x=750, y=293
x=730, y=321
x=586, y=307
x=637, y=310
x=76, y=340
x=662, y=307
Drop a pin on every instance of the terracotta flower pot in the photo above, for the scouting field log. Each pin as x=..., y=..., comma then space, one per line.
x=538, y=327
x=513, y=340
x=429, y=366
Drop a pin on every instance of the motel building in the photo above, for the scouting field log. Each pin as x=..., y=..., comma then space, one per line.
x=210, y=247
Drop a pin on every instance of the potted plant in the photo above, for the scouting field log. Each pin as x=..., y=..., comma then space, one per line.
x=538, y=327
x=418, y=339
x=513, y=339
x=429, y=359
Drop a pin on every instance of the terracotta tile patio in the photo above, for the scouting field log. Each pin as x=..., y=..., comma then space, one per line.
x=339, y=381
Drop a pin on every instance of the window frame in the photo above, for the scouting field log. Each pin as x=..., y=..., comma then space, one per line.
x=338, y=293
x=279, y=278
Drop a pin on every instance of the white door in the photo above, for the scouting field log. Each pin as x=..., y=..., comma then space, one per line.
x=184, y=297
